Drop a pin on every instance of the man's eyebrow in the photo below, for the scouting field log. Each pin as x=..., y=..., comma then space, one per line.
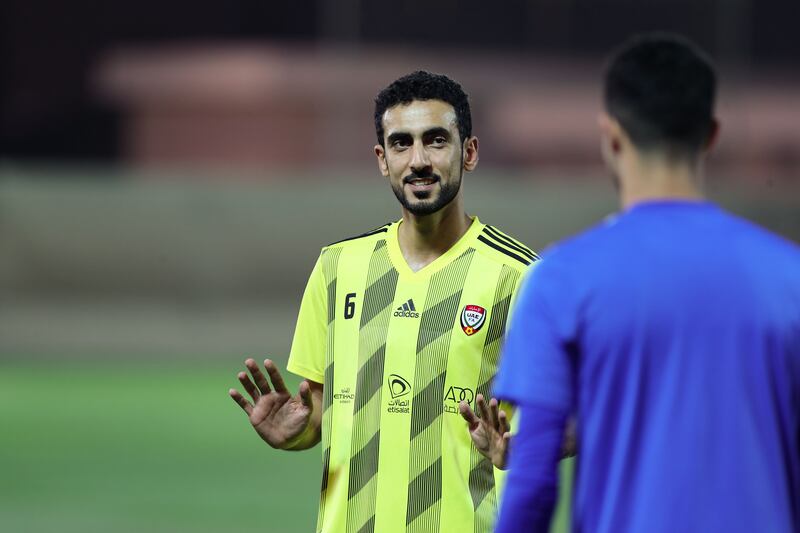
x=398, y=135
x=437, y=131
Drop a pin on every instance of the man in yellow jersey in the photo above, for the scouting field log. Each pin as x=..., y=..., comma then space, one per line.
x=398, y=335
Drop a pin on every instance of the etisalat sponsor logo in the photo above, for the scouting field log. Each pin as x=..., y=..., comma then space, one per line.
x=407, y=310
x=399, y=389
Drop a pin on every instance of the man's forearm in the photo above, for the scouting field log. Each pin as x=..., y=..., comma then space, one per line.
x=531, y=487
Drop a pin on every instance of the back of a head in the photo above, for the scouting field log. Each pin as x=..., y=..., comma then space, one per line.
x=661, y=87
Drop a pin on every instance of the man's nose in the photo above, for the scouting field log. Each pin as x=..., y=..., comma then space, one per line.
x=419, y=158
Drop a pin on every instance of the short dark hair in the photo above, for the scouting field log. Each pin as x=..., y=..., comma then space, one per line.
x=661, y=88
x=421, y=85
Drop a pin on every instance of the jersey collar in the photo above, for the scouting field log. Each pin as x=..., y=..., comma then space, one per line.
x=400, y=264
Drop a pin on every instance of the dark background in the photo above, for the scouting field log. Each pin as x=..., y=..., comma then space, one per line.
x=48, y=47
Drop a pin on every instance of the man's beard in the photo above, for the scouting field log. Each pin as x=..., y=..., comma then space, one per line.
x=447, y=191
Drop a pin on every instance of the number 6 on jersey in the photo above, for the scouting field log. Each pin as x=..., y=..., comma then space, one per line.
x=349, y=306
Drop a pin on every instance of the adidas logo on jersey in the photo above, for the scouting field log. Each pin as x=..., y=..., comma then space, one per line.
x=407, y=310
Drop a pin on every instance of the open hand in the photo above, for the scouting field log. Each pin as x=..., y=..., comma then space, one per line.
x=491, y=432
x=278, y=417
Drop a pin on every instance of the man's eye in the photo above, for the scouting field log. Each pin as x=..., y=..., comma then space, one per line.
x=439, y=140
x=400, y=143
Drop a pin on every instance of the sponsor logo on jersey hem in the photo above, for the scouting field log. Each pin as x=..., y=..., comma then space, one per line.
x=399, y=387
x=407, y=310
x=472, y=319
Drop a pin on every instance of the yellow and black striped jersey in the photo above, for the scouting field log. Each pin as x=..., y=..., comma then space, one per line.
x=397, y=350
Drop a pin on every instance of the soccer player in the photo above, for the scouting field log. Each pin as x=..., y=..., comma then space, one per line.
x=671, y=329
x=399, y=327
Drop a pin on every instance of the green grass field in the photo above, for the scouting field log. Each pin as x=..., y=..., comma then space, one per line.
x=130, y=447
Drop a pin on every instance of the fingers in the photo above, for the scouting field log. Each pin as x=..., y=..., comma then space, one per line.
x=494, y=415
x=502, y=460
x=239, y=399
x=468, y=415
x=502, y=423
x=275, y=376
x=258, y=376
x=304, y=392
x=485, y=412
x=251, y=389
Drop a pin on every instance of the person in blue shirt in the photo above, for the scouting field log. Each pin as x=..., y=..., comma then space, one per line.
x=670, y=331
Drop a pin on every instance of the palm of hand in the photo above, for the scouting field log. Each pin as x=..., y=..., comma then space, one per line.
x=279, y=417
x=488, y=441
x=490, y=433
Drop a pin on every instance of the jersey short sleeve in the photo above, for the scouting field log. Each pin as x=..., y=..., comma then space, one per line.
x=307, y=357
x=516, y=293
x=536, y=367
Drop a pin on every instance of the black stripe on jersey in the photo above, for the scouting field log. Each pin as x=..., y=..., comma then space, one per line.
x=427, y=488
x=481, y=475
x=369, y=527
x=369, y=378
x=424, y=504
x=364, y=465
x=376, y=294
x=330, y=268
x=502, y=250
x=365, y=434
x=508, y=243
x=429, y=403
x=379, y=229
x=433, y=329
x=326, y=463
x=511, y=239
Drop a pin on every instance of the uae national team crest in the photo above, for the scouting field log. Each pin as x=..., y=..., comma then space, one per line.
x=472, y=319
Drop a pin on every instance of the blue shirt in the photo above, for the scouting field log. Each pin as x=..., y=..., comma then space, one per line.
x=672, y=332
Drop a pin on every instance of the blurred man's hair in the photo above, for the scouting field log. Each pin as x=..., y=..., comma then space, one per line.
x=661, y=88
x=421, y=85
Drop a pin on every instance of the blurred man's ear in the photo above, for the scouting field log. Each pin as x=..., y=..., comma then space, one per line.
x=610, y=138
x=713, y=135
x=610, y=133
x=380, y=153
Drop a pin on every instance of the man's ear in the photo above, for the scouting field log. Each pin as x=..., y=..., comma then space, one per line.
x=470, y=154
x=713, y=135
x=610, y=133
x=380, y=153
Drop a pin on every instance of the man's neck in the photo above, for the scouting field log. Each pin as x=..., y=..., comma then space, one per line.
x=423, y=239
x=650, y=178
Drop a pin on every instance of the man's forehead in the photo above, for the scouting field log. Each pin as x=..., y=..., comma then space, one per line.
x=419, y=115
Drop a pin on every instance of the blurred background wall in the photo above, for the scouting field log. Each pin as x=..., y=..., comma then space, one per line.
x=170, y=170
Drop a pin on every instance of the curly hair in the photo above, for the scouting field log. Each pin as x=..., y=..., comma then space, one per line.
x=421, y=85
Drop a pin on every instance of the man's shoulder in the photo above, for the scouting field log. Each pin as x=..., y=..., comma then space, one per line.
x=360, y=240
x=585, y=254
x=596, y=239
x=503, y=248
x=761, y=239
